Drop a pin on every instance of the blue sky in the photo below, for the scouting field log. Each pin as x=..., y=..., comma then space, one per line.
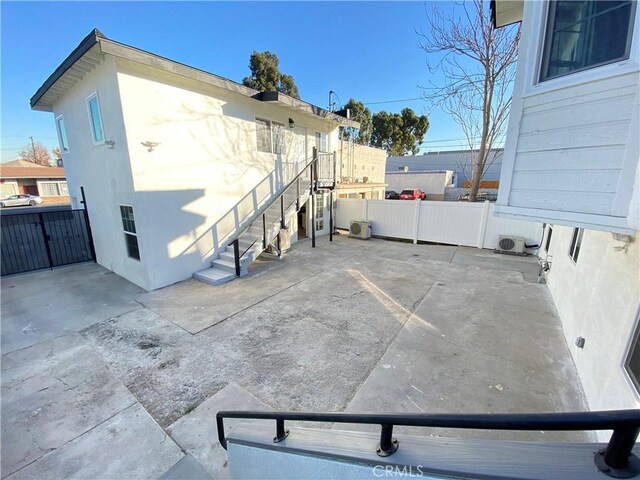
x=365, y=50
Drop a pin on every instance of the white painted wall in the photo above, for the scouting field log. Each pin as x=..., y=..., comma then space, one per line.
x=206, y=162
x=431, y=183
x=455, y=223
x=104, y=172
x=598, y=298
x=571, y=153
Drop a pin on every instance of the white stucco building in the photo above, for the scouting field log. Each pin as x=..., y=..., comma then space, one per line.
x=571, y=161
x=163, y=150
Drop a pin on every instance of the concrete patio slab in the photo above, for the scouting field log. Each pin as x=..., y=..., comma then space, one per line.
x=309, y=347
x=127, y=445
x=196, y=432
x=46, y=304
x=196, y=306
x=358, y=325
x=52, y=393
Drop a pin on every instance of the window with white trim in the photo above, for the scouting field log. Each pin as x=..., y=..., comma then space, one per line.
x=95, y=118
x=319, y=211
x=321, y=142
x=53, y=189
x=576, y=243
x=271, y=136
x=62, y=134
x=586, y=34
x=130, y=234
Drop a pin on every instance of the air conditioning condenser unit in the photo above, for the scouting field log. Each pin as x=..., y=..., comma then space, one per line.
x=360, y=229
x=510, y=244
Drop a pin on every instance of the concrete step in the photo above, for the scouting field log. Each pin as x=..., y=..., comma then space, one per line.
x=228, y=256
x=230, y=266
x=214, y=276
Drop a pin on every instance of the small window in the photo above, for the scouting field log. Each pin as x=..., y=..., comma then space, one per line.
x=632, y=363
x=279, y=132
x=130, y=235
x=95, y=118
x=319, y=211
x=62, y=134
x=263, y=132
x=585, y=34
x=271, y=137
x=321, y=142
x=53, y=189
x=547, y=244
x=576, y=242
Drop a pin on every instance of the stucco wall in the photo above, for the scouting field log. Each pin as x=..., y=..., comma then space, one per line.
x=358, y=161
x=103, y=171
x=206, y=160
x=597, y=298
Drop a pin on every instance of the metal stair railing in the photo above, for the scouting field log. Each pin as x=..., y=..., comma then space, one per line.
x=615, y=460
x=299, y=184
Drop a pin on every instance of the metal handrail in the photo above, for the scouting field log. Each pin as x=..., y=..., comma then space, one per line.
x=616, y=458
x=262, y=211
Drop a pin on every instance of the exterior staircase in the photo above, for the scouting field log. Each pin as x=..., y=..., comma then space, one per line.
x=261, y=226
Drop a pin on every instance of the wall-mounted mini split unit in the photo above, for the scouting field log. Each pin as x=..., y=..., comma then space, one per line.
x=360, y=229
x=510, y=244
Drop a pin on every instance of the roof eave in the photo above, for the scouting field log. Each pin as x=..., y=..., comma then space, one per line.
x=85, y=45
x=288, y=101
x=506, y=12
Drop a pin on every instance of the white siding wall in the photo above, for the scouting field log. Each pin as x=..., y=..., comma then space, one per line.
x=206, y=161
x=571, y=153
x=455, y=223
x=103, y=171
x=431, y=183
x=597, y=298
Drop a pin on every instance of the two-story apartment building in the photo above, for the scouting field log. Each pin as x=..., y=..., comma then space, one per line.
x=162, y=151
x=571, y=161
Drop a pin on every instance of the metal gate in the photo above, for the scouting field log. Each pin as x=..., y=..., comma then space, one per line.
x=33, y=241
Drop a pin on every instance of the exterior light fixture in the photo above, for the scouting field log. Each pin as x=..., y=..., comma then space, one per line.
x=292, y=124
x=150, y=145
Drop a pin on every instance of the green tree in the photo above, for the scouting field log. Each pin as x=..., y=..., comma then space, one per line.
x=399, y=133
x=362, y=115
x=266, y=76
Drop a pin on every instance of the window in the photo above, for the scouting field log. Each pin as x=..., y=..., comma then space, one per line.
x=632, y=363
x=95, y=118
x=130, y=235
x=321, y=142
x=576, y=242
x=319, y=211
x=547, y=244
x=52, y=189
x=62, y=134
x=271, y=136
x=585, y=34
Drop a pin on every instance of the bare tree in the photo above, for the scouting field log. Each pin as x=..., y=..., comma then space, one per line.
x=57, y=154
x=478, y=65
x=35, y=152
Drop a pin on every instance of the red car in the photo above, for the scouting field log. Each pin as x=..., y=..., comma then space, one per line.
x=413, y=194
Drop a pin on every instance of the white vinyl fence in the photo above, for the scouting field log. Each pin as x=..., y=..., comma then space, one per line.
x=454, y=223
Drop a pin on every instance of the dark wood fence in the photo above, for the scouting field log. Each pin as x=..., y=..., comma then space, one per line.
x=33, y=241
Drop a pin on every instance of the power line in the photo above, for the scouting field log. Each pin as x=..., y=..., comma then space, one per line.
x=392, y=101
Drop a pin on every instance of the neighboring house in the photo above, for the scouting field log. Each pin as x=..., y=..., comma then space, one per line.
x=571, y=161
x=360, y=171
x=456, y=160
x=24, y=177
x=432, y=182
x=175, y=162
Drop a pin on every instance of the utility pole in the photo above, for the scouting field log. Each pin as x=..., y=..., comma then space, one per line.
x=33, y=147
